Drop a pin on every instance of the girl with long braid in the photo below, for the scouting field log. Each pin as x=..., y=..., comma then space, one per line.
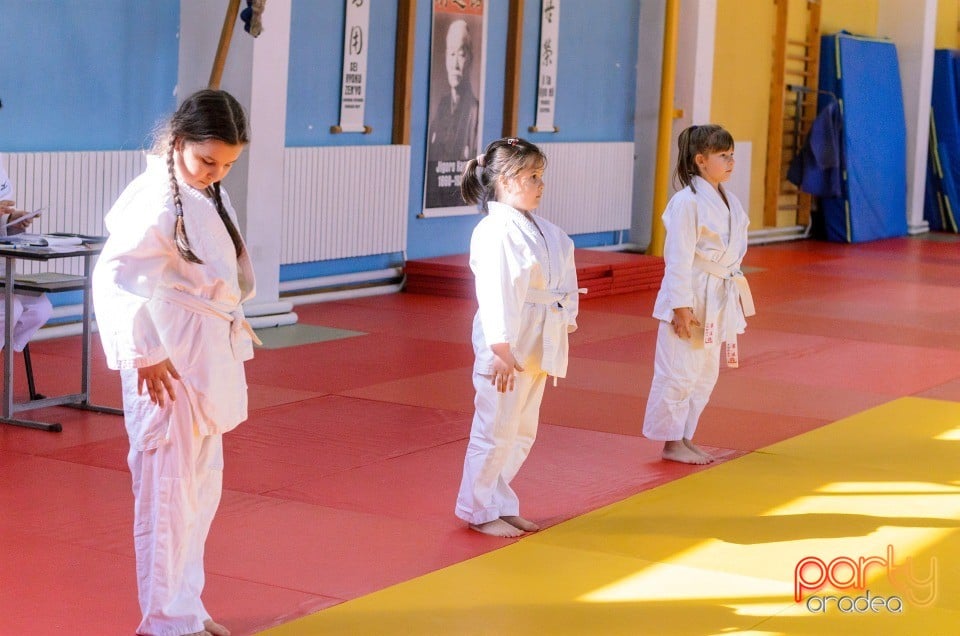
x=168, y=289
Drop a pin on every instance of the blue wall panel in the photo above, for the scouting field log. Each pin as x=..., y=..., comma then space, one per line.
x=85, y=75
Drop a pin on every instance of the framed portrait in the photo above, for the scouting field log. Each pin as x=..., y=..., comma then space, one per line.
x=454, y=129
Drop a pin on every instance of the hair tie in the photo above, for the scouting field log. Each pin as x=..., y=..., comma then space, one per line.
x=481, y=161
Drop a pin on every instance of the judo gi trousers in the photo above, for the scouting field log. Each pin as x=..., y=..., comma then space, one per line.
x=503, y=430
x=684, y=374
x=177, y=489
x=29, y=314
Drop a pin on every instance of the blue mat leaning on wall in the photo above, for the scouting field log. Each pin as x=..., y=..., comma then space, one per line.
x=942, y=201
x=864, y=74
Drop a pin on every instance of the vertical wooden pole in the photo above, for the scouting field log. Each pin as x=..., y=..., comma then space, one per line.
x=223, y=47
x=511, y=89
x=805, y=200
x=403, y=70
x=661, y=180
x=774, y=170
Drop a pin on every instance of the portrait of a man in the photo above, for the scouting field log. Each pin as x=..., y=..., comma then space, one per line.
x=454, y=105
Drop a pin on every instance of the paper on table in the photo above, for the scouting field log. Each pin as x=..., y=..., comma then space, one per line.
x=25, y=217
x=58, y=241
x=42, y=240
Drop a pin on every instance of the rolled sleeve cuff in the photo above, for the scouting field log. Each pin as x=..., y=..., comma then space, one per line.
x=158, y=354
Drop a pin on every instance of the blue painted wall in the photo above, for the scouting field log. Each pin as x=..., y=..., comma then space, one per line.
x=91, y=75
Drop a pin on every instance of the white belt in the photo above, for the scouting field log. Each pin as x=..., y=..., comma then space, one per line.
x=737, y=291
x=555, y=345
x=239, y=327
x=550, y=296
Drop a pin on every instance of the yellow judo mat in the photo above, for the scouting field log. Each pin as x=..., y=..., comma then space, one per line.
x=857, y=519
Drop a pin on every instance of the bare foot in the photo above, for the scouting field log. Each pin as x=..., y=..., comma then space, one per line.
x=678, y=452
x=696, y=449
x=519, y=522
x=497, y=528
x=214, y=628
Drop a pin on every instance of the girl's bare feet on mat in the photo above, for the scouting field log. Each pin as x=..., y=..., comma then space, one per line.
x=519, y=522
x=677, y=451
x=214, y=628
x=497, y=528
x=696, y=449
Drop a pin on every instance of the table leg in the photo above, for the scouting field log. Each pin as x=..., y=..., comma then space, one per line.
x=6, y=412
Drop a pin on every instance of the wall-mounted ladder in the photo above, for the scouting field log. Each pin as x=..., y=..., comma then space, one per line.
x=793, y=107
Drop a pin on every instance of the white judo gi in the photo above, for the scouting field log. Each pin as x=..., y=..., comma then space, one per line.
x=705, y=245
x=152, y=304
x=527, y=294
x=30, y=312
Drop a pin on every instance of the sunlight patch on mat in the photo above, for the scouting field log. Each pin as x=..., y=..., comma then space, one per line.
x=952, y=435
x=299, y=334
x=662, y=581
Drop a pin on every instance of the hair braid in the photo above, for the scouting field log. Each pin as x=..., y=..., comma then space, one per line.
x=180, y=232
x=227, y=221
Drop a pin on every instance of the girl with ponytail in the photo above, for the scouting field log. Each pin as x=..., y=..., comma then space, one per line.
x=168, y=290
x=703, y=299
x=527, y=298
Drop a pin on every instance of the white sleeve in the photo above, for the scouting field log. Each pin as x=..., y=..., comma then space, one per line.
x=501, y=282
x=132, y=263
x=679, y=249
x=570, y=283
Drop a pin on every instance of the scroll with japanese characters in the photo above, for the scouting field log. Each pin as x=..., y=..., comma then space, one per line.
x=353, y=90
x=547, y=80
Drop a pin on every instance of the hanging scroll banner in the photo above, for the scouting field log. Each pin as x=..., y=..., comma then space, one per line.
x=353, y=93
x=456, y=102
x=547, y=81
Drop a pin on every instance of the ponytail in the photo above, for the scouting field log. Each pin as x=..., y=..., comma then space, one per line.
x=472, y=186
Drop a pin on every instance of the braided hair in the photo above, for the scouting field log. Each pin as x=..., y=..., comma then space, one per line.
x=205, y=115
x=503, y=159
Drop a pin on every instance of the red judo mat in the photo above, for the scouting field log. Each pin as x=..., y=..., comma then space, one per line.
x=343, y=480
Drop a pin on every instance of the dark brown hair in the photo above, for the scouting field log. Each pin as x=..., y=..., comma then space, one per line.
x=205, y=115
x=503, y=159
x=698, y=140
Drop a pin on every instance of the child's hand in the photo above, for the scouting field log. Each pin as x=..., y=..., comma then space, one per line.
x=683, y=318
x=157, y=378
x=504, y=365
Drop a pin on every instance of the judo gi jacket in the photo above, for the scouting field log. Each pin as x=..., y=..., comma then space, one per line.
x=152, y=304
x=705, y=245
x=526, y=289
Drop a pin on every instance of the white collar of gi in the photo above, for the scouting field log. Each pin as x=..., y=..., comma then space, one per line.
x=705, y=187
x=497, y=208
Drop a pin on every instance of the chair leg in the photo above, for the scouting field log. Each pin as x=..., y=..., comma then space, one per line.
x=28, y=363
